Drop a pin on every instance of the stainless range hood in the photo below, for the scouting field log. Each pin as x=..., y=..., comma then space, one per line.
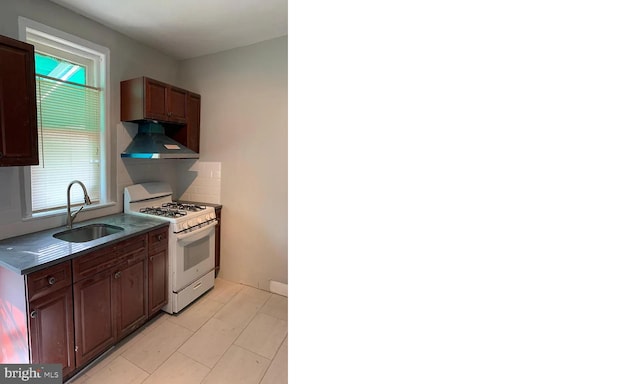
x=151, y=143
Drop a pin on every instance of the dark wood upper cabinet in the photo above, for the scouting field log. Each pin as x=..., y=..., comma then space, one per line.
x=144, y=99
x=177, y=105
x=193, y=122
x=18, y=123
x=156, y=106
x=189, y=135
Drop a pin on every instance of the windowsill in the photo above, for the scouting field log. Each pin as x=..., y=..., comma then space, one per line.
x=63, y=211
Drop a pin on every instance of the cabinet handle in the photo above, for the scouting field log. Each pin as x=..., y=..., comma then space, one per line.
x=52, y=280
x=33, y=314
x=118, y=274
x=1, y=154
x=151, y=258
x=159, y=237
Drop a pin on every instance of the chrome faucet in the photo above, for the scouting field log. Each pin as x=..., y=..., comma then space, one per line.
x=87, y=201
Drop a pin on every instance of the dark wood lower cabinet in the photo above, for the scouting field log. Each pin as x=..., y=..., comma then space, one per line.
x=111, y=304
x=72, y=312
x=130, y=297
x=158, y=294
x=51, y=325
x=157, y=270
x=94, y=316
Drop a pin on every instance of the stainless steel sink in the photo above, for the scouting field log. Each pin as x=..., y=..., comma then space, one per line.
x=87, y=233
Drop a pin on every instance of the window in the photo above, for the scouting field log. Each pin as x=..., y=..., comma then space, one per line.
x=71, y=106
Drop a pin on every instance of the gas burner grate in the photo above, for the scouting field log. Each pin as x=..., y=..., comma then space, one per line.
x=184, y=206
x=164, y=211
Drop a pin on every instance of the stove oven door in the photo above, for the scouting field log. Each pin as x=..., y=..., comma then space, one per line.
x=195, y=253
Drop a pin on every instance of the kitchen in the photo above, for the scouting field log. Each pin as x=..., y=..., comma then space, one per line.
x=243, y=144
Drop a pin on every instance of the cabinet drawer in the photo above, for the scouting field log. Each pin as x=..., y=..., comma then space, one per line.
x=158, y=239
x=48, y=280
x=128, y=250
x=108, y=257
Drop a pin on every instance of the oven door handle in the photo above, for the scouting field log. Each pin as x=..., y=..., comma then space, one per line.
x=190, y=237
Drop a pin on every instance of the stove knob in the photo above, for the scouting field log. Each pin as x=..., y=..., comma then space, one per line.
x=209, y=217
x=192, y=223
x=200, y=220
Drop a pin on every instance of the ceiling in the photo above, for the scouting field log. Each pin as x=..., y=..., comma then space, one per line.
x=186, y=29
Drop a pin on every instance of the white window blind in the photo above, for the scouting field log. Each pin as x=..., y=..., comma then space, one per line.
x=69, y=136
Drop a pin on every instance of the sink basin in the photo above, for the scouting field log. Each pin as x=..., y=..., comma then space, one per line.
x=87, y=233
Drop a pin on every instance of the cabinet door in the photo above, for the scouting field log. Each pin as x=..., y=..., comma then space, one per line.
x=193, y=122
x=129, y=297
x=158, y=294
x=51, y=329
x=157, y=270
x=18, y=124
x=177, y=105
x=94, y=316
x=189, y=135
x=156, y=100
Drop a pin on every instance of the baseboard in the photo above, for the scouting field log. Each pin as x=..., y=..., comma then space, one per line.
x=279, y=288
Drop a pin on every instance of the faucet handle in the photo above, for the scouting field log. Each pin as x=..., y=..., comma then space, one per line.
x=74, y=214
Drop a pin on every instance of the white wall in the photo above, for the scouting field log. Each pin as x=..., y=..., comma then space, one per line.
x=129, y=59
x=244, y=127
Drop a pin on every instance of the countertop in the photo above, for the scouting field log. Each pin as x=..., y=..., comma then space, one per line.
x=29, y=253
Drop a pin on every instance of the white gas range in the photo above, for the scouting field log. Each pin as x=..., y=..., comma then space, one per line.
x=191, y=240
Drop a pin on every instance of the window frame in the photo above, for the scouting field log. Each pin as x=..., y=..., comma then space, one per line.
x=77, y=46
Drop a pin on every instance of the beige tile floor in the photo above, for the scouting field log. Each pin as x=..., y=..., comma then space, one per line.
x=232, y=334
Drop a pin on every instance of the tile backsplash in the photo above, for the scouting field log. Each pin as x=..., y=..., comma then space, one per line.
x=200, y=181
